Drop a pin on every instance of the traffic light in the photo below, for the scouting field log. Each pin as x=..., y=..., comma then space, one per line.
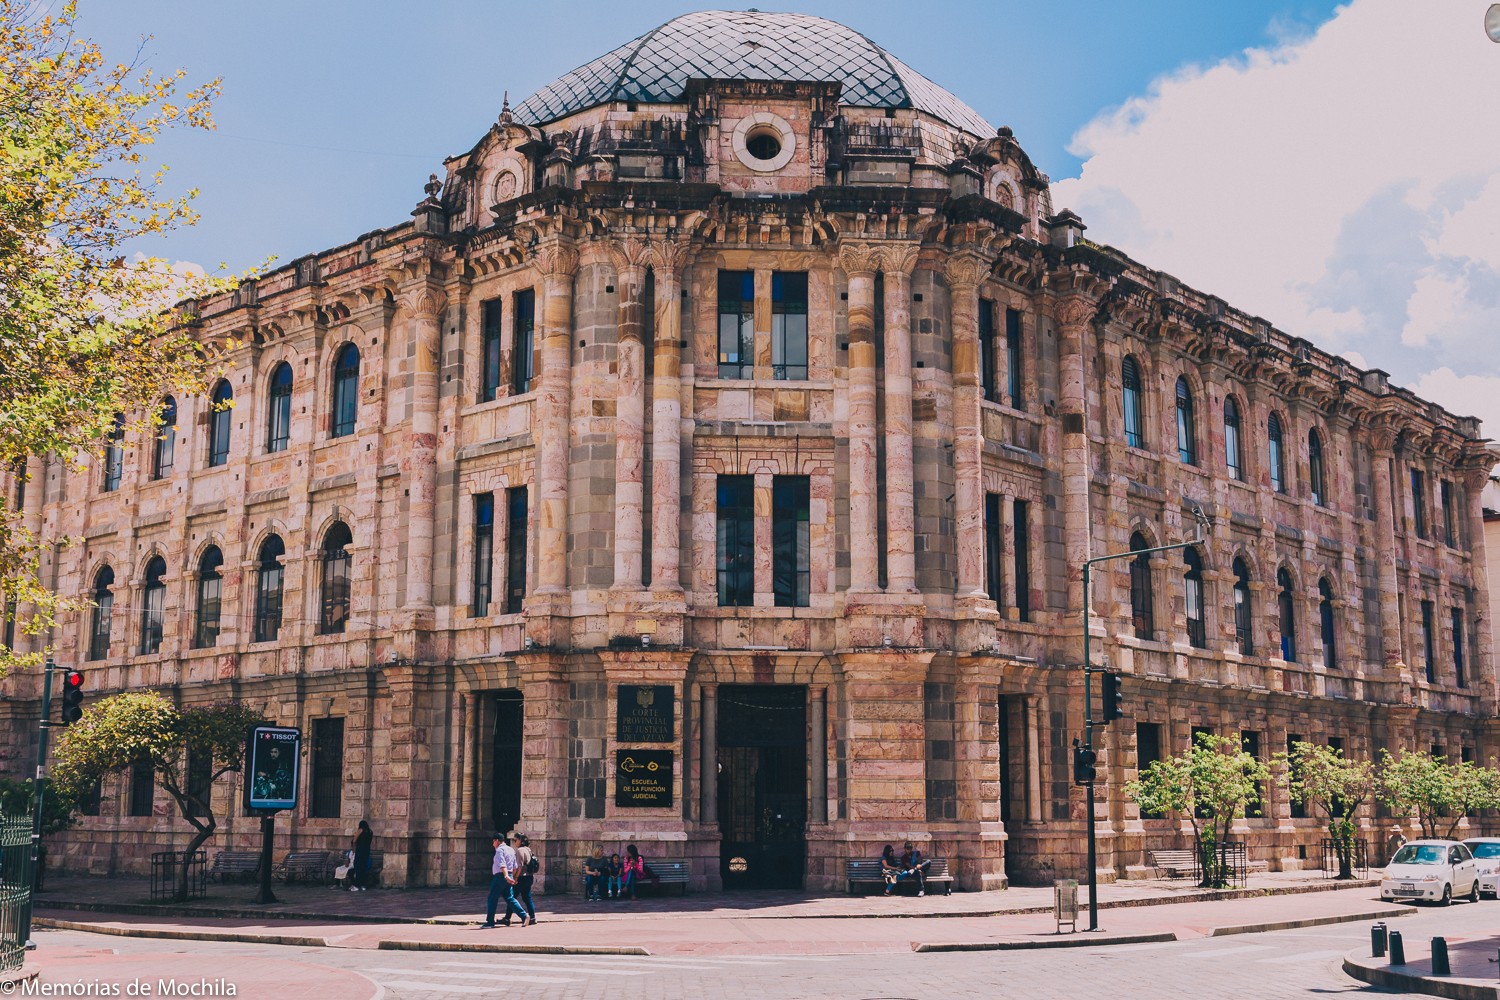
x=72, y=699
x=1114, y=697
x=1084, y=759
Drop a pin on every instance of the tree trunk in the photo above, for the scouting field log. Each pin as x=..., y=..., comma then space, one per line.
x=204, y=832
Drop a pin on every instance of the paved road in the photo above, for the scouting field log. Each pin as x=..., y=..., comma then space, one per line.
x=1286, y=964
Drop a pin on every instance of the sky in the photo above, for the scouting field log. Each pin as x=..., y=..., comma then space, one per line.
x=1332, y=168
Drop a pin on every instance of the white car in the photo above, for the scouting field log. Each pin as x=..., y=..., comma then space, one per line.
x=1435, y=870
x=1486, y=851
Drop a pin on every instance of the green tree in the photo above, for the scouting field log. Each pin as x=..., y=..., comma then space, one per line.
x=1440, y=793
x=58, y=807
x=1323, y=777
x=85, y=333
x=1210, y=783
x=120, y=730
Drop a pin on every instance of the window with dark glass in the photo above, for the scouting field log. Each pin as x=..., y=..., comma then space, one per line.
x=8, y=639
x=1286, y=605
x=789, y=325
x=484, y=553
x=1326, y=625
x=1243, y=632
x=153, y=610
x=1298, y=806
x=735, y=551
x=210, y=598
x=1130, y=382
x=1232, y=460
x=523, y=354
x=994, y=549
x=164, y=446
x=1192, y=593
x=114, y=454
x=18, y=482
x=1013, y=372
x=1250, y=743
x=89, y=801
x=516, y=531
x=1456, y=616
x=200, y=781
x=142, y=787
x=489, y=351
x=333, y=613
x=102, y=614
x=1147, y=752
x=327, y=799
x=1429, y=643
x=1315, y=469
x=218, y=424
x=1276, y=460
x=1419, y=502
x=736, y=324
x=345, y=390
x=1450, y=521
x=989, y=371
x=1140, y=589
x=279, y=409
x=791, y=541
x=269, y=581
x=1022, y=555
x=1186, y=447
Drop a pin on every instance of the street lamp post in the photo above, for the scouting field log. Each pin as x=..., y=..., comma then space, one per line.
x=1088, y=693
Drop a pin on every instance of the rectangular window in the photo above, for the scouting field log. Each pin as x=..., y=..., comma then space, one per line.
x=268, y=591
x=88, y=803
x=104, y=606
x=1457, y=617
x=736, y=541
x=1299, y=809
x=737, y=324
x=200, y=780
x=114, y=461
x=993, y=552
x=210, y=610
x=142, y=787
x=791, y=564
x=489, y=361
x=484, y=552
x=1147, y=752
x=789, y=325
x=1419, y=503
x=1022, y=571
x=988, y=363
x=1450, y=522
x=18, y=480
x=152, y=618
x=1429, y=653
x=327, y=769
x=1013, y=373
x=1255, y=805
x=522, y=355
x=10, y=625
x=516, y=530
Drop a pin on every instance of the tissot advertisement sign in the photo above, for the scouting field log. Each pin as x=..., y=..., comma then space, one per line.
x=643, y=777
x=271, y=756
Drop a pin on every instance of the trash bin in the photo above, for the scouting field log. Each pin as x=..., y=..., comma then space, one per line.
x=1065, y=903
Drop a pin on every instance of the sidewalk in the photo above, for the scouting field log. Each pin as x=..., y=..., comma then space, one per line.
x=1472, y=961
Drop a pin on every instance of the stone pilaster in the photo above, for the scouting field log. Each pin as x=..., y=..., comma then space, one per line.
x=965, y=271
x=423, y=304
x=1073, y=315
x=860, y=263
x=666, y=421
x=556, y=262
x=543, y=679
x=630, y=418
x=886, y=794
x=897, y=261
x=980, y=836
x=1385, y=541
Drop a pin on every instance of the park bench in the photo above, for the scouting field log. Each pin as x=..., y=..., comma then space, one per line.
x=1175, y=864
x=240, y=865
x=863, y=871
x=664, y=871
x=313, y=866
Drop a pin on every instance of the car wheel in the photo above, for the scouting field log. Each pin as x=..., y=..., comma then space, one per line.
x=1447, y=895
x=1473, y=896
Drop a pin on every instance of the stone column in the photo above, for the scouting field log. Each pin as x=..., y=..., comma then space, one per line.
x=981, y=850
x=886, y=789
x=1385, y=541
x=424, y=305
x=859, y=264
x=1481, y=664
x=1007, y=598
x=964, y=272
x=708, y=757
x=666, y=421
x=469, y=780
x=556, y=262
x=1073, y=315
x=897, y=261
x=630, y=420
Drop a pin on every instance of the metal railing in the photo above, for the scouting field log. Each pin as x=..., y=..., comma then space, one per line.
x=1330, y=858
x=164, y=875
x=15, y=890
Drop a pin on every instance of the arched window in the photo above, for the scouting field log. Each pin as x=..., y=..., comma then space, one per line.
x=114, y=455
x=279, y=416
x=210, y=598
x=1242, y=626
x=1130, y=381
x=1325, y=621
x=269, y=580
x=218, y=424
x=333, y=615
x=1185, y=430
x=166, y=440
x=1287, y=606
x=1232, y=460
x=1277, y=461
x=345, y=390
x=1315, y=468
x=104, y=609
x=1140, y=589
x=1192, y=595
x=154, y=606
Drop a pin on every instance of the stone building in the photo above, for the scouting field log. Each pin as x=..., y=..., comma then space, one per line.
x=709, y=463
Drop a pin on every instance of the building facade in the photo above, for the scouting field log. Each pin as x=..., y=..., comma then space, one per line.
x=709, y=463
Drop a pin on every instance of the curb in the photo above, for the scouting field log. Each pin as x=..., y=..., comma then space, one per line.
x=521, y=949
x=1289, y=925
x=1061, y=942
x=1456, y=989
x=174, y=935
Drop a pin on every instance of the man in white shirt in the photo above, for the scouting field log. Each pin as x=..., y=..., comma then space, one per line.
x=503, y=872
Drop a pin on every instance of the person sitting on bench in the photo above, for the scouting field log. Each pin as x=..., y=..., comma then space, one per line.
x=913, y=865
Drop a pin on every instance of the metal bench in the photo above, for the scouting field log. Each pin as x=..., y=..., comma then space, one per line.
x=666, y=871
x=862, y=871
x=1175, y=864
x=313, y=866
x=240, y=865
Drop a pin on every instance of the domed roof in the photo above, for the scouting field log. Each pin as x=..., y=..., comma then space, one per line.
x=747, y=45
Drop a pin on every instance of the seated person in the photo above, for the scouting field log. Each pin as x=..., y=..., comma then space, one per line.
x=890, y=868
x=595, y=870
x=913, y=865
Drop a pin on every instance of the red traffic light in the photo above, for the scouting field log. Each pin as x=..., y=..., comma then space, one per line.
x=74, y=679
x=72, y=698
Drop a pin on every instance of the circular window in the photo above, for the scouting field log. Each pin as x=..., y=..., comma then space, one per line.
x=764, y=142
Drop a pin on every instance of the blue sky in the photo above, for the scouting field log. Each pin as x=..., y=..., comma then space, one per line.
x=1311, y=163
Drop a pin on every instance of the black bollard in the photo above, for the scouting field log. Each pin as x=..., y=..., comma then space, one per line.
x=1377, y=939
x=1440, y=957
x=1398, y=950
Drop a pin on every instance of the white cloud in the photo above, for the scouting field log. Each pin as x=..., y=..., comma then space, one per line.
x=1465, y=395
x=1344, y=185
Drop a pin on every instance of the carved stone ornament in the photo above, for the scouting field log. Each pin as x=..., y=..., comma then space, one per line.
x=966, y=269
x=424, y=303
x=1075, y=311
x=859, y=258
x=555, y=258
